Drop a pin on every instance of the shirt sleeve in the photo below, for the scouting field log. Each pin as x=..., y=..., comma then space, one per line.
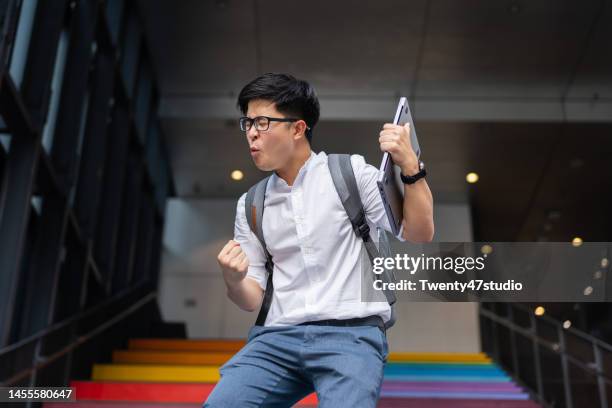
x=250, y=245
x=366, y=176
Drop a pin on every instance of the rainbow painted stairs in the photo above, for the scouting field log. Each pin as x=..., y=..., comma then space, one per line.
x=169, y=373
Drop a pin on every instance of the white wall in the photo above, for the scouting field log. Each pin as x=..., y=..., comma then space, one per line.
x=192, y=289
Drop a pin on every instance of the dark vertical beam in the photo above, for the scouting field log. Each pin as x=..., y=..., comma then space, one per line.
x=128, y=228
x=43, y=275
x=36, y=85
x=43, y=272
x=94, y=146
x=143, y=102
x=15, y=194
x=130, y=52
x=142, y=259
x=9, y=14
x=72, y=276
x=66, y=133
x=156, y=251
x=3, y=155
x=109, y=215
x=114, y=16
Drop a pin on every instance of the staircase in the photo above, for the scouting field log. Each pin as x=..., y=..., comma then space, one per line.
x=181, y=373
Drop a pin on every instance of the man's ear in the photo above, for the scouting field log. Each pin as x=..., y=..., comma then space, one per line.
x=300, y=128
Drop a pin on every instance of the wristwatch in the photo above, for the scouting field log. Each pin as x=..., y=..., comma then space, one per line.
x=413, y=179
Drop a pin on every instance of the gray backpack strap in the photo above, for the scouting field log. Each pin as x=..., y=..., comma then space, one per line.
x=344, y=180
x=253, y=209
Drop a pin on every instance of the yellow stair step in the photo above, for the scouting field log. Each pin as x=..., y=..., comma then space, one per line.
x=219, y=358
x=186, y=344
x=400, y=357
x=161, y=373
x=171, y=357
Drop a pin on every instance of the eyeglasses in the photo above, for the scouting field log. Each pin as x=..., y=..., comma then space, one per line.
x=261, y=122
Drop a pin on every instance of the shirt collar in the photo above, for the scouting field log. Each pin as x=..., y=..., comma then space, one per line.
x=311, y=161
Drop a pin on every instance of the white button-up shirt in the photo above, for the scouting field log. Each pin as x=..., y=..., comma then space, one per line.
x=316, y=253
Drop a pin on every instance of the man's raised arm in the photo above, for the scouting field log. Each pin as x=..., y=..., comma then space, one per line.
x=243, y=291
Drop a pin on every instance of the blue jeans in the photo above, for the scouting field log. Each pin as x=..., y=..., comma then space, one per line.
x=280, y=365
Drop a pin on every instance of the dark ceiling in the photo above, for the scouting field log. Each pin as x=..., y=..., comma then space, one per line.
x=518, y=91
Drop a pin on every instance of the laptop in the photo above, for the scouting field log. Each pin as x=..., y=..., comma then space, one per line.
x=389, y=182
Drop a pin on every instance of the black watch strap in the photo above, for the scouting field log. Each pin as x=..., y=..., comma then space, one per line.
x=414, y=178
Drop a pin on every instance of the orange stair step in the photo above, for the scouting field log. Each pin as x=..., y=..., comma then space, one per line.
x=187, y=344
x=171, y=357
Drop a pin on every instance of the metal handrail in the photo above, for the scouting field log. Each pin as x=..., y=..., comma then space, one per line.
x=595, y=368
x=576, y=332
x=81, y=339
x=552, y=346
x=60, y=325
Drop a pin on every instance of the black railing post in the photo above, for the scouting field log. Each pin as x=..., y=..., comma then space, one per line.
x=496, y=352
x=601, y=384
x=569, y=402
x=515, y=361
x=536, y=355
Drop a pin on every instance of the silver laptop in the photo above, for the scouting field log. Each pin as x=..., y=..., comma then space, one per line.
x=389, y=182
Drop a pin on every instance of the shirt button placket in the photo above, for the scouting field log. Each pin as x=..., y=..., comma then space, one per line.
x=298, y=209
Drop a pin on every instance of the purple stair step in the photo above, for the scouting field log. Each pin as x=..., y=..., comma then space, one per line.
x=451, y=386
x=455, y=395
x=453, y=403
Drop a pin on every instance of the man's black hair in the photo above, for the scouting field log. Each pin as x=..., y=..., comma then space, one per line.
x=292, y=97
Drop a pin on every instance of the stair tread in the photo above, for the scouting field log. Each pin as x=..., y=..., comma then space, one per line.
x=382, y=403
x=180, y=373
x=219, y=357
x=186, y=344
x=194, y=392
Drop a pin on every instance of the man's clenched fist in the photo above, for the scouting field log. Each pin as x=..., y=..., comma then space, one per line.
x=234, y=262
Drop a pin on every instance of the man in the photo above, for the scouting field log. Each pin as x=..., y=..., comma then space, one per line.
x=318, y=335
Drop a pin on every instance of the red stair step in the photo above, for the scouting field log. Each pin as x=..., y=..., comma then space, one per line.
x=150, y=392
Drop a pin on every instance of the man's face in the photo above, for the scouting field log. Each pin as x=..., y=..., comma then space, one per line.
x=272, y=148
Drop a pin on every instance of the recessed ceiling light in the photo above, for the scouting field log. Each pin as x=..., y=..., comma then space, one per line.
x=486, y=249
x=237, y=175
x=567, y=324
x=514, y=8
x=471, y=177
x=576, y=163
x=539, y=311
x=577, y=241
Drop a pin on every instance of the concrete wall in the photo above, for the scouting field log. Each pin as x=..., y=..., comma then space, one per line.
x=192, y=289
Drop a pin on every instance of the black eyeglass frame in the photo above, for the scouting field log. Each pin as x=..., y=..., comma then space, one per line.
x=244, y=119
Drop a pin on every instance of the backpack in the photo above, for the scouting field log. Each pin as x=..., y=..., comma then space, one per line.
x=344, y=181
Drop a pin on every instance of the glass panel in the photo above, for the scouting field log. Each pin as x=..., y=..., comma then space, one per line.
x=5, y=140
x=584, y=388
x=130, y=48
x=37, y=204
x=114, y=13
x=56, y=87
x=143, y=101
x=79, y=146
x=22, y=40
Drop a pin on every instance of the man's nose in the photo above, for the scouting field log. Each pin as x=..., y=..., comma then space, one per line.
x=252, y=133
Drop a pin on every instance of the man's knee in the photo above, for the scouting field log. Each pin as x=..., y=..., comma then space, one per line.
x=220, y=397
